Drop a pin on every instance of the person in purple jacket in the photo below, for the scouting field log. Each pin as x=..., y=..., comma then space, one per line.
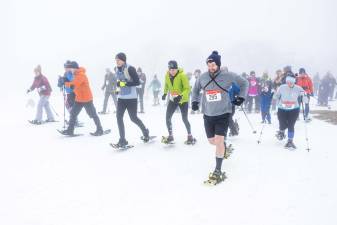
x=41, y=84
x=253, y=92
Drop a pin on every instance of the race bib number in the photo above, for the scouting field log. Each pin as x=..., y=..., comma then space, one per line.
x=173, y=95
x=288, y=104
x=213, y=95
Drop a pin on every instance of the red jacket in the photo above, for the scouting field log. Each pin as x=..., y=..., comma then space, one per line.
x=42, y=85
x=305, y=82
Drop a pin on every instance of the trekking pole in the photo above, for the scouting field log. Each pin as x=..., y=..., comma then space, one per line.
x=260, y=137
x=305, y=128
x=250, y=124
x=64, y=109
x=54, y=110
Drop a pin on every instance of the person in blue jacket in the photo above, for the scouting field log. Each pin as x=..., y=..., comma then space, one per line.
x=266, y=97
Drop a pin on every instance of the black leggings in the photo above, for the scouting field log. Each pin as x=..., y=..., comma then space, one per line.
x=287, y=119
x=171, y=108
x=131, y=106
x=89, y=108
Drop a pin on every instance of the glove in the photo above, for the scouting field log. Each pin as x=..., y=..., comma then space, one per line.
x=28, y=90
x=238, y=100
x=163, y=97
x=121, y=83
x=177, y=99
x=195, y=106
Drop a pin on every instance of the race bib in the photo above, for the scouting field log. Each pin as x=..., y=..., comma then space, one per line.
x=288, y=104
x=173, y=94
x=213, y=95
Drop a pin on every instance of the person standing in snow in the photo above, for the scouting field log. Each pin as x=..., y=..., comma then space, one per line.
x=253, y=92
x=266, y=99
x=83, y=98
x=110, y=85
x=156, y=86
x=288, y=97
x=141, y=89
x=316, y=80
x=42, y=85
x=217, y=106
x=177, y=85
x=127, y=82
x=303, y=80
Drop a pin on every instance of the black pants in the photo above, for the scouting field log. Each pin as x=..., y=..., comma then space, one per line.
x=91, y=111
x=250, y=103
x=106, y=99
x=131, y=106
x=171, y=108
x=287, y=119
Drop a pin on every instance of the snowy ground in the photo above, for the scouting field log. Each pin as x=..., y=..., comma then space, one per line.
x=47, y=179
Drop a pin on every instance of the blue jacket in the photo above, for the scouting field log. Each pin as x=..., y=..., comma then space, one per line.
x=266, y=98
x=68, y=77
x=233, y=91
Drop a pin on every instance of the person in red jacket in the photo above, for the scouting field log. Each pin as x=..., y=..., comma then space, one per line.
x=304, y=81
x=83, y=98
x=42, y=85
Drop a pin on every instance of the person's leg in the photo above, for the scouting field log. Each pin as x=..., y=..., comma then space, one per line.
x=307, y=107
x=171, y=108
x=114, y=98
x=38, y=116
x=141, y=100
x=283, y=124
x=249, y=103
x=132, y=110
x=121, y=107
x=268, y=116
x=105, y=102
x=257, y=103
x=184, y=114
x=292, y=118
x=50, y=115
x=91, y=111
x=76, y=109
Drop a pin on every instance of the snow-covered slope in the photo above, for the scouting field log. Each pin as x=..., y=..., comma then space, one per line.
x=49, y=179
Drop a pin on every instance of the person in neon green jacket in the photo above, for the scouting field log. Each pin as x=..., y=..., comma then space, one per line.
x=178, y=88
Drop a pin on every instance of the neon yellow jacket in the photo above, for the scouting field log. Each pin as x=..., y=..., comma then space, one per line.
x=180, y=85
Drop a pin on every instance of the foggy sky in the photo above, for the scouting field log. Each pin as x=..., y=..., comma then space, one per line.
x=250, y=35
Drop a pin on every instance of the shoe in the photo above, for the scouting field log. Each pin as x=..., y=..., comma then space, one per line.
x=290, y=145
x=146, y=136
x=280, y=135
x=98, y=132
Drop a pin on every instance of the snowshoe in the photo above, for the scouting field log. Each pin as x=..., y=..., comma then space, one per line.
x=121, y=145
x=280, y=135
x=169, y=140
x=215, y=178
x=101, y=132
x=35, y=122
x=290, y=145
x=68, y=133
x=190, y=140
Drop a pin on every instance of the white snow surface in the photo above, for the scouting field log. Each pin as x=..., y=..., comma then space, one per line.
x=48, y=179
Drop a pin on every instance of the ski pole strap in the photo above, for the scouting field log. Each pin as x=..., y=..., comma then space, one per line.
x=213, y=80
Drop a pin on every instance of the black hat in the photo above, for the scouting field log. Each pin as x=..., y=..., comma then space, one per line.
x=121, y=56
x=71, y=65
x=252, y=72
x=214, y=57
x=302, y=70
x=172, y=64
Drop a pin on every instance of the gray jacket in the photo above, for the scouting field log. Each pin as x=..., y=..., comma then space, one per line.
x=216, y=101
x=287, y=97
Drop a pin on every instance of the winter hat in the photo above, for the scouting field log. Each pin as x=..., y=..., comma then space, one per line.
x=214, y=57
x=139, y=70
x=287, y=69
x=252, y=73
x=290, y=79
x=67, y=64
x=172, y=64
x=37, y=69
x=302, y=71
x=71, y=65
x=121, y=56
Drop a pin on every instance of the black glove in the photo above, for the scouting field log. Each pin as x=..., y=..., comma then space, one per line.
x=177, y=99
x=163, y=97
x=28, y=90
x=238, y=100
x=195, y=106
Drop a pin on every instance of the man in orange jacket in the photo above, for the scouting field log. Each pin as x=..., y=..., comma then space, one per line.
x=83, y=98
x=304, y=81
